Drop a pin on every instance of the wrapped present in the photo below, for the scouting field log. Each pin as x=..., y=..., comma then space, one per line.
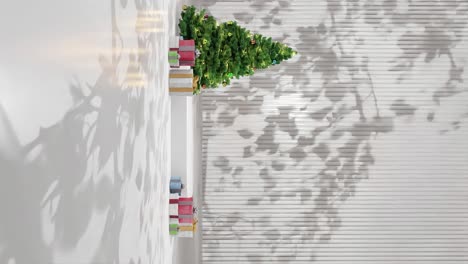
x=188, y=229
x=173, y=58
x=173, y=210
x=185, y=230
x=187, y=52
x=189, y=226
x=187, y=63
x=174, y=198
x=174, y=63
x=187, y=55
x=186, y=202
x=185, y=49
x=174, y=52
x=174, y=43
x=185, y=210
x=181, y=79
x=173, y=229
x=177, y=178
x=187, y=45
x=185, y=219
x=173, y=55
x=175, y=185
x=181, y=82
x=174, y=206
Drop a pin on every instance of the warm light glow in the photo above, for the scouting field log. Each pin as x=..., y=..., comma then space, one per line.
x=154, y=12
x=148, y=19
x=150, y=30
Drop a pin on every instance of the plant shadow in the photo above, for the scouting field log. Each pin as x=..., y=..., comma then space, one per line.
x=77, y=170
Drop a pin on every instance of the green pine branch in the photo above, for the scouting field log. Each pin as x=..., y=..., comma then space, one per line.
x=227, y=50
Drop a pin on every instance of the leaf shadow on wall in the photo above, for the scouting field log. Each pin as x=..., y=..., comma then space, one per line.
x=321, y=50
x=78, y=166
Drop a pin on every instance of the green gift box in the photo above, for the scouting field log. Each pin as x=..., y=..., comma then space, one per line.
x=173, y=58
x=173, y=229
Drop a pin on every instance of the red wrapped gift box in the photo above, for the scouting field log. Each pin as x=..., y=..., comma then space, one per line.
x=187, y=58
x=187, y=55
x=187, y=52
x=187, y=45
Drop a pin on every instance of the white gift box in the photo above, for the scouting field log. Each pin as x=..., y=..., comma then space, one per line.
x=181, y=81
x=173, y=209
x=173, y=43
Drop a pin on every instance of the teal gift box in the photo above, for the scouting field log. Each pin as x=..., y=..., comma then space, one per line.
x=176, y=185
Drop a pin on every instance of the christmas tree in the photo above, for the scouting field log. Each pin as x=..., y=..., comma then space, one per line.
x=227, y=50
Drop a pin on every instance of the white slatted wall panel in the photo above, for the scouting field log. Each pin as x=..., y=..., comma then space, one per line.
x=355, y=151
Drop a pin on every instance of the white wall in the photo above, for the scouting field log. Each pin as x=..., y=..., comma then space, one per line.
x=353, y=151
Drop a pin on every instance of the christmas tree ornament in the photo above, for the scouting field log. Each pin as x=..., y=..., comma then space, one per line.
x=274, y=62
x=230, y=75
x=184, y=7
x=252, y=41
x=197, y=53
x=206, y=16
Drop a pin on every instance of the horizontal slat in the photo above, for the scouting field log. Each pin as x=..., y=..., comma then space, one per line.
x=273, y=197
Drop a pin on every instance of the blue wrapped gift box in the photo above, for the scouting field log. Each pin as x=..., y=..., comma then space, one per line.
x=176, y=185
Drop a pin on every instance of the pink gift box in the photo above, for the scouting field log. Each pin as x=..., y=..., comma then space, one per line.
x=186, y=206
x=186, y=219
x=185, y=209
x=187, y=45
x=186, y=200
